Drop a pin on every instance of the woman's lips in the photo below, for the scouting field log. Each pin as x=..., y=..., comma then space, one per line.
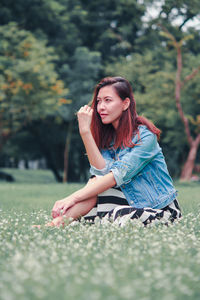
x=103, y=115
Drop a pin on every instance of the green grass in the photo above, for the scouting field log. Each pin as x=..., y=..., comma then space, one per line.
x=32, y=190
x=30, y=176
x=189, y=196
x=37, y=189
x=101, y=261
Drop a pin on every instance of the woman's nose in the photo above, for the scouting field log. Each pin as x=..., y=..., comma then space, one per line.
x=101, y=106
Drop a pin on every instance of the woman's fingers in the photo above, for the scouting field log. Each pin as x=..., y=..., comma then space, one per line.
x=58, y=206
x=88, y=108
x=55, y=213
x=65, y=208
x=85, y=108
x=84, y=118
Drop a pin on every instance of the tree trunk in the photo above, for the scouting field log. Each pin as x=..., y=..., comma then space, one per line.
x=45, y=150
x=1, y=146
x=179, y=84
x=190, y=162
x=66, y=151
x=3, y=175
x=3, y=140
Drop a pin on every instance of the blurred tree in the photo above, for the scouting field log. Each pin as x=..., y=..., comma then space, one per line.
x=179, y=86
x=108, y=26
x=48, y=19
x=152, y=75
x=179, y=12
x=111, y=26
x=176, y=16
x=83, y=76
x=29, y=86
x=152, y=72
x=123, y=34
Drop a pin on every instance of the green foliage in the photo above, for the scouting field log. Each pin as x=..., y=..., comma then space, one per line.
x=107, y=26
x=185, y=8
x=49, y=19
x=29, y=85
x=152, y=75
x=112, y=26
x=80, y=42
x=81, y=79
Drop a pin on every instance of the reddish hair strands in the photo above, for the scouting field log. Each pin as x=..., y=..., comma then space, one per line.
x=128, y=123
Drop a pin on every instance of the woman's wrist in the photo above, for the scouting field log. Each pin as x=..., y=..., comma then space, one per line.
x=70, y=200
x=80, y=195
x=85, y=133
x=73, y=199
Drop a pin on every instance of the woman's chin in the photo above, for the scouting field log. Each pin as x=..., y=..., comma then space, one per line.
x=105, y=122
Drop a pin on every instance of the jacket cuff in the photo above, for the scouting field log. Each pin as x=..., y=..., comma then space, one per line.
x=100, y=172
x=117, y=175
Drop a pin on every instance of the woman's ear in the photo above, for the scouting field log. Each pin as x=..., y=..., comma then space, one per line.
x=126, y=104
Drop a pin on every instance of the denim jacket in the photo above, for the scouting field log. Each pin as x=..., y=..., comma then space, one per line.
x=140, y=172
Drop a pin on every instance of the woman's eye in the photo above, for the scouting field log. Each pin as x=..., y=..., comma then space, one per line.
x=108, y=100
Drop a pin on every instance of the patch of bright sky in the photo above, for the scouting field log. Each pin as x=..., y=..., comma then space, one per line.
x=154, y=10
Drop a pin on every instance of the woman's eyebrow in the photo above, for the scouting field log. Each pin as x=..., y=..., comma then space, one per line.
x=104, y=97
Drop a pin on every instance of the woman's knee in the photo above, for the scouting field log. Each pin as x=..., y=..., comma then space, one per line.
x=81, y=208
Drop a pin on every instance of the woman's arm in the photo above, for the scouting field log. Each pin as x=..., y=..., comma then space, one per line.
x=131, y=162
x=96, y=187
x=84, y=121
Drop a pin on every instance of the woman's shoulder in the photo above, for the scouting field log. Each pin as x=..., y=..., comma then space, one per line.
x=142, y=131
x=144, y=135
x=143, y=128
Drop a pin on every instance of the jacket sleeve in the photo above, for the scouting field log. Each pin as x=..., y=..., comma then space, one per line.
x=101, y=172
x=132, y=161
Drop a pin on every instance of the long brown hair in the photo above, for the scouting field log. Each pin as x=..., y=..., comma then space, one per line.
x=104, y=134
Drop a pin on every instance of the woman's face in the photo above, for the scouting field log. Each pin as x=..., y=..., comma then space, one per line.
x=110, y=106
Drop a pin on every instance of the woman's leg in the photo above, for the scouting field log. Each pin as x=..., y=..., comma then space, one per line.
x=146, y=215
x=78, y=210
x=74, y=212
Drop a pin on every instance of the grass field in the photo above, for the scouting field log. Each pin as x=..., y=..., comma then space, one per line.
x=101, y=261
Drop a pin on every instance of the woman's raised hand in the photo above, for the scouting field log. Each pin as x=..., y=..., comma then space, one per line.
x=84, y=119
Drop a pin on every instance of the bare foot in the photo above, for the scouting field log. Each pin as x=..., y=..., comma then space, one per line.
x=55, y=222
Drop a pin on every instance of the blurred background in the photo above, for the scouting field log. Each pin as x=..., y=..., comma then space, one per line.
x=52, y=54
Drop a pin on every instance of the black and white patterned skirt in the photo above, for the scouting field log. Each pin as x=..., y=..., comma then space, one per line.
x=112, y=205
